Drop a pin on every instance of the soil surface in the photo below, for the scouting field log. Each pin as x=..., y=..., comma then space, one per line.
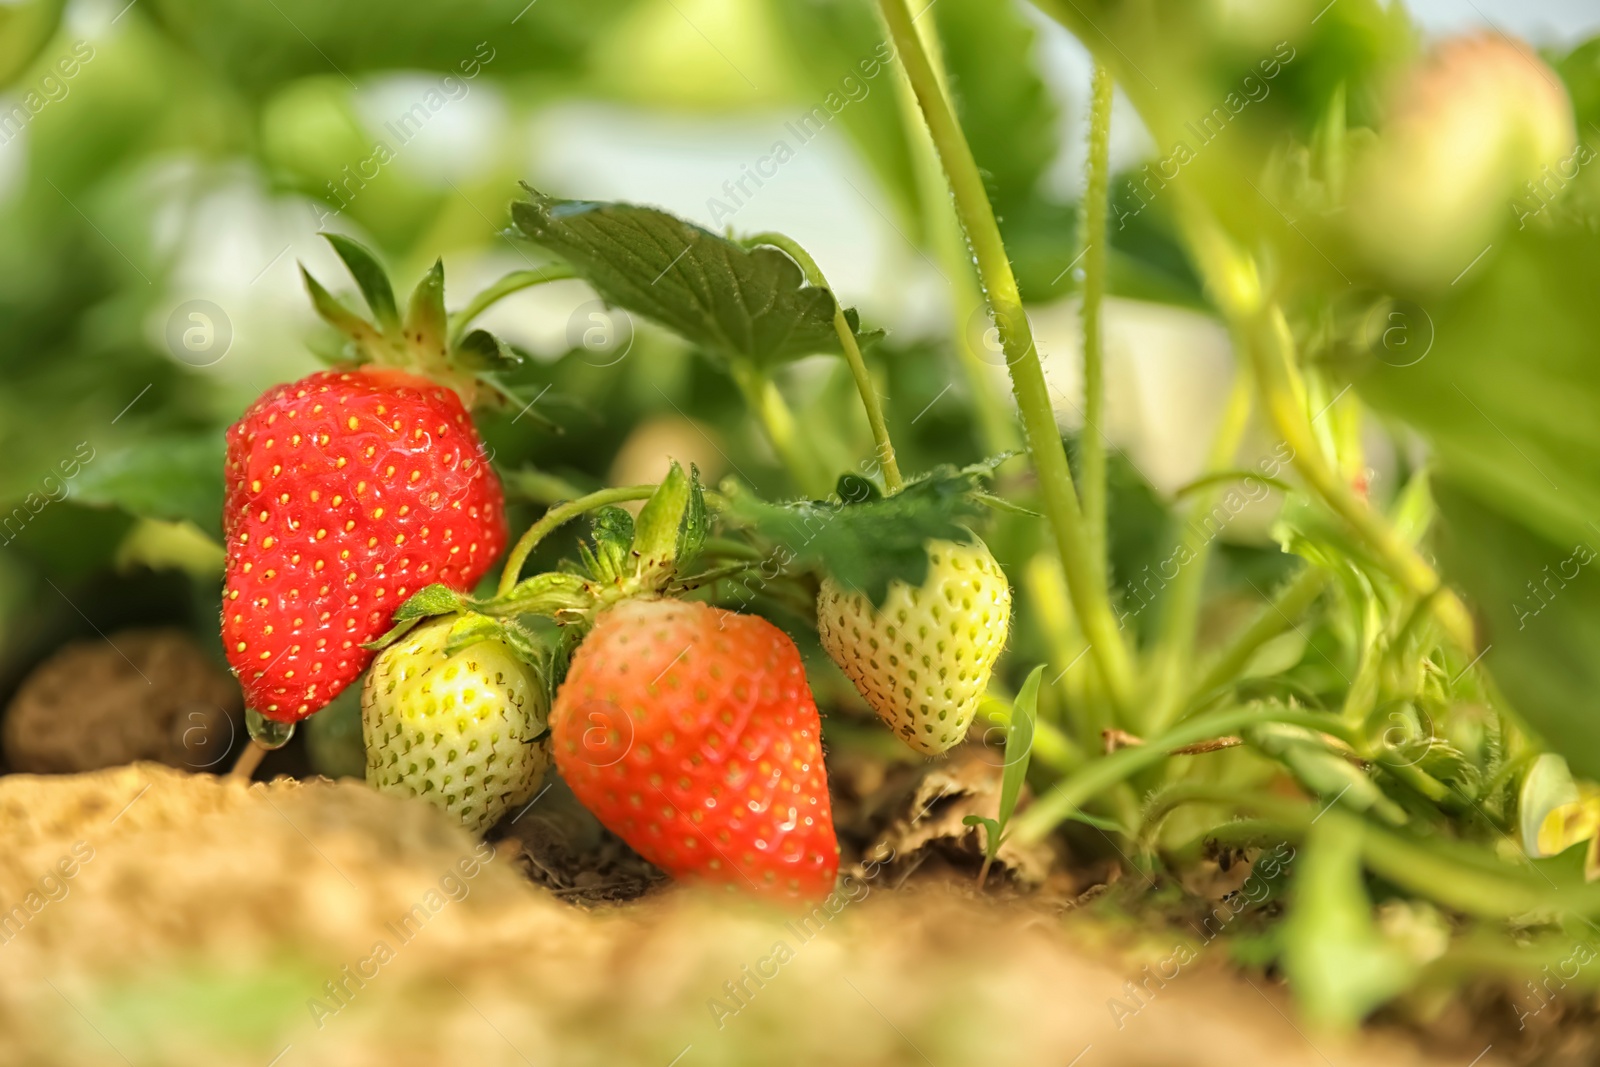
x=154, y=916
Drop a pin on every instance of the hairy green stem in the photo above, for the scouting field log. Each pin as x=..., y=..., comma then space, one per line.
x=511, y=283
x=555, y=517
x=1090, y=598
x=1259, y=323
x=852, y=355
x=1476, y=885
x=1092, y=231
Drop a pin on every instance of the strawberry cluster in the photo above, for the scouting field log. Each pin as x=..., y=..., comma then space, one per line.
x=361, y=513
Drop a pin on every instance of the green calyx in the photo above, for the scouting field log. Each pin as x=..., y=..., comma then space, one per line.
x=625, y=559
x=424, y=339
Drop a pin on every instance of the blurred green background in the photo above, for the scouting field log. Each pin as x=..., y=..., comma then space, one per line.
x=165, y=163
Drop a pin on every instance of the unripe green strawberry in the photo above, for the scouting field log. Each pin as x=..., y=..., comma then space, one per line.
x=465, y=731
x=922, y=660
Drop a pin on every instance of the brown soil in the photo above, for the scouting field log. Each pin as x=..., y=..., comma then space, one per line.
x=149, y=916
x=138, y=695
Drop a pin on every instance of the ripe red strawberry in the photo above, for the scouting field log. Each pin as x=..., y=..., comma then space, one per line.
x=347, y=491
x=690, y=732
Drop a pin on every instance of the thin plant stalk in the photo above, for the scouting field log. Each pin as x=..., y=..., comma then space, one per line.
x=1092, y=230
x=555, y=517
x=1259, y=323
x=1095, y=778
x=1090, y=597
x=511, y=283
x=244, y=768
x=772, y=410
x=852, y=355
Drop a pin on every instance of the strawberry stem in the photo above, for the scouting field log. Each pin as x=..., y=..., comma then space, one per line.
x=514, y=282
x=762, y=395
x=1275, y=617
x=1263, y=331
x=1090, y=598
x=852, y=355
x=1092, y=229
x=555, y=517
x=1065, y=797
x=244, y=768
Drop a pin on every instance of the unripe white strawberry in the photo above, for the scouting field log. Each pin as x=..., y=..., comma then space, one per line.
x=465, y=731
x=1478, y=127
x=922, y=659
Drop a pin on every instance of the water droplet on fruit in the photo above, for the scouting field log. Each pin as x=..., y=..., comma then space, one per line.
x=268, y=733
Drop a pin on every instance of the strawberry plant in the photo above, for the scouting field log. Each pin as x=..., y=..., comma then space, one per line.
x=1132, y=515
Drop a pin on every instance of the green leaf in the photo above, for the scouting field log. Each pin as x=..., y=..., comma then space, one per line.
x=425, y=603
x=527, y=646
x=991, y=833
x=334, y=312
x=866, y=544
x=750, y=304
x=1580, y=70
x=429, y=600
x=1538, y=605
x=1327, y=774
x=371, y=279
x=1506, y=394
x=1506, y=397
x=169, y=478
x=1448, y=764
x=1006, y=110
x=655, y=541
x=612, y=531
x=481, y=350
x=426, y=320
x=1339, y=965
x=1019, y=744
x=1110, y=826
x=549, y=593
x=696, y=520
x=471, y=629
